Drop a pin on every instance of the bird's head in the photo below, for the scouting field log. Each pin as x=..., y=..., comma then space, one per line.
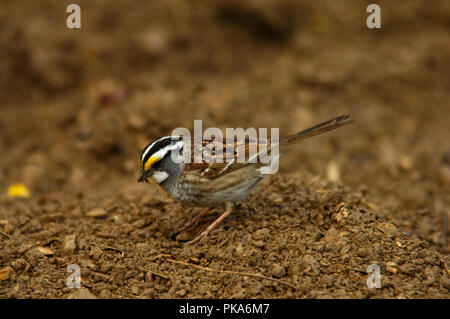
x=156, y=162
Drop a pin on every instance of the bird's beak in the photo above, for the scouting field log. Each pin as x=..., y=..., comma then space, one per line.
x=144, y=176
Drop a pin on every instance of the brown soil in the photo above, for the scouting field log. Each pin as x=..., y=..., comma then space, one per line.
x=79, y=105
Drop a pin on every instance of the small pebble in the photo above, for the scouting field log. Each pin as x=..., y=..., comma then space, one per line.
x=135, y=290
x=259, y=243
x=95, y=253
x=278, y=271
x=82, y=293
x=86, y=263
x=239, y=250
x=19, y=264
x=276, y=198
x=69, y=244
x=106, y=267
x=405, y=162
x=182, y=237
x=149, y=276
x=407, y=268
x=333, y=172
x=5, y=273
x=390, y=266
x=96, y=213
x=45, y=251
x=261, y=234
x=181, y=293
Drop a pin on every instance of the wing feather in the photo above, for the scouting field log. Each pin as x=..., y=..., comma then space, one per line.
x=215, y=162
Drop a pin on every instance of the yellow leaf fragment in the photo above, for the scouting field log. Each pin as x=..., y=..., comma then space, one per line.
x=18, y=190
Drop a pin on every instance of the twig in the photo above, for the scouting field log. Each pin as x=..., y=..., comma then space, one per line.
x=154, y=273
x=115, y=249
x=230, y=272
x=223, y=243
x=105, y=234
x=88, y=286
x=161, y=256
x=5, y=234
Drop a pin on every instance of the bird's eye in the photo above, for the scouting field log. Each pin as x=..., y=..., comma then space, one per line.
x=157, y=164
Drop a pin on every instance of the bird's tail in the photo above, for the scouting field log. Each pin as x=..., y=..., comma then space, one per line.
x=318, y=129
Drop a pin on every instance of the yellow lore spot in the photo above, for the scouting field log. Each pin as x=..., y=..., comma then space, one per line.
x=150, y=162
x=18, y=190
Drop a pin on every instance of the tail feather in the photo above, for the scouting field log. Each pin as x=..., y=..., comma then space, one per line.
x=318, y=129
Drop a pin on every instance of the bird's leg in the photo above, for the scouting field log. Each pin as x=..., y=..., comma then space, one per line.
x=194, y=221
x=229, y=209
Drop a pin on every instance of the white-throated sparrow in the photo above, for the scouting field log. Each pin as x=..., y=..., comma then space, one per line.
x=208, y=183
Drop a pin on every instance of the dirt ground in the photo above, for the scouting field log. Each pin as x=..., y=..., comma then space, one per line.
x=78, y=106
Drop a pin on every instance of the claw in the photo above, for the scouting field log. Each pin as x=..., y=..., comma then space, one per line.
x=212, y=226
x=193, y=223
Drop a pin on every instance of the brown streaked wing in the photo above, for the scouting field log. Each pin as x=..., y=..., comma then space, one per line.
x=208, y=169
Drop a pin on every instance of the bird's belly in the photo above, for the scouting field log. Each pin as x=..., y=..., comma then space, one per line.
x=201, y=195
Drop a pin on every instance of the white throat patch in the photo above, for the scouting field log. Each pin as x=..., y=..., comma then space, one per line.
x=159, y=176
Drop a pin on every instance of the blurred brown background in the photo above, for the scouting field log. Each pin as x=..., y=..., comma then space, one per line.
x=78, y=105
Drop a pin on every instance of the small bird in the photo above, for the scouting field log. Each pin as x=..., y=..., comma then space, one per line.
x=207, y=183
